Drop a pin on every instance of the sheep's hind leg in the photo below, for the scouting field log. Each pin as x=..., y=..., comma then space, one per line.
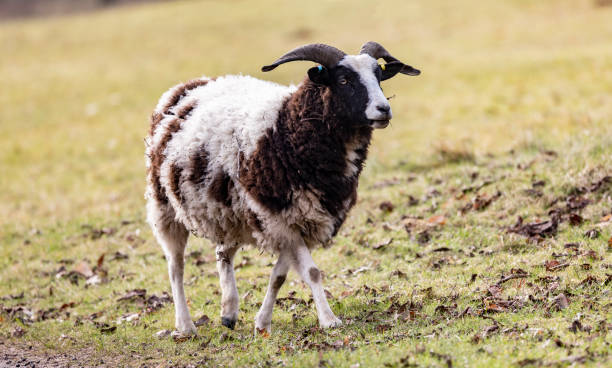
x=263, y=320
x=311, y=275
x=229, y=292
x=172, y=236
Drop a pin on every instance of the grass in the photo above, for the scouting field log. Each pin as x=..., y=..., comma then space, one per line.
x=503, y=85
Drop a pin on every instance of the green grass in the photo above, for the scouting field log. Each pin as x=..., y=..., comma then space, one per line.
x=503, y=83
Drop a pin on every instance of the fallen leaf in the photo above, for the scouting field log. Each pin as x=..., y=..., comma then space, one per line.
x=107, y=329
x=592, y=233
x=560, y=302
x=441, y=249
x=551, y=264
x=263, y=332
x=398, y=273
x=386, y=206
x=593, y=255
x=382, y=244
x=589, y=280
x=133, y=294
x=117, y=256
x=437, y=220
x=100, y=261
x=412, y=201
x=162, y=334
x=492, y=307
x=83, y=269
x=201, y=321
x=555, y=265
x=128, y=318
x=575, y=219
x=538, y=228
x=495, y=290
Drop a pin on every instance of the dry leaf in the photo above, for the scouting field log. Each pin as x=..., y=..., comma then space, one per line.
x=83, y=269
x=263, y=332
x=550, y=265
x=386, y=206
x=162, y=334
x=100, y=261
x=437, y=220
x=492, y=307
x=383, y=244
x=201, y=321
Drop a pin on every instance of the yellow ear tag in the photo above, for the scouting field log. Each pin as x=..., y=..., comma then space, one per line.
x=382, y=66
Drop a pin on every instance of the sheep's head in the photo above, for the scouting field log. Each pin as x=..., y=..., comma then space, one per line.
x=353, y=79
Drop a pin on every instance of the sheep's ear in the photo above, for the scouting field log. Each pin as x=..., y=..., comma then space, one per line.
x=319, y=75
x=389, y=70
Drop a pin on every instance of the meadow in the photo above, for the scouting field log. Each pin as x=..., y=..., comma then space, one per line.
x=482, y=236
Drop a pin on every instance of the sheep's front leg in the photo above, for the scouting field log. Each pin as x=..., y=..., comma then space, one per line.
x=263, y=320
x=229, y=292
x=311, y=275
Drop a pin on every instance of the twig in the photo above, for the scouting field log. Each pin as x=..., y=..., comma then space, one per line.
x=513, y=276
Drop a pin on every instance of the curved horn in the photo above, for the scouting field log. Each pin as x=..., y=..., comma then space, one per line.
x=377, y=51
x=326, y=55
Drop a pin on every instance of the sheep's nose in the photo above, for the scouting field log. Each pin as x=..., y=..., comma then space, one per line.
x=384, y=109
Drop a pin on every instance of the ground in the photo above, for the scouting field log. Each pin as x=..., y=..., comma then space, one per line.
x=482, y=233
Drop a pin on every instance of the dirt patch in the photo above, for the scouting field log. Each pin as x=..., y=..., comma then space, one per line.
x=39, y=8
x=16, y=354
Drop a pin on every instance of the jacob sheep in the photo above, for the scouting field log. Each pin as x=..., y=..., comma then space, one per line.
x=244, y=161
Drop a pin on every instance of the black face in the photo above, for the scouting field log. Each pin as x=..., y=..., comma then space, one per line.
x=351, y=96
x=349, y=92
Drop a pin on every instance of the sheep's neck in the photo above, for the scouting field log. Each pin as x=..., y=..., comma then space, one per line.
x=308, y=149
x=324, y=152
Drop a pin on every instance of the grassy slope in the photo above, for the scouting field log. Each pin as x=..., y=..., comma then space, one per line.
x=533, y=77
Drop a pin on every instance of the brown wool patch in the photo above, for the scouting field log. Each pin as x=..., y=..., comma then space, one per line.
x=186, y=110
x=158, y=157
x=315, y=274
x=254, y=222
x=181, y=91
x=199, y=167
x=156, y=118
x=220, y=189
x=279, y=281
x=175, y=177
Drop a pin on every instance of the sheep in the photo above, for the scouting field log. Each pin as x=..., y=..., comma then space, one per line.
x=242, y=161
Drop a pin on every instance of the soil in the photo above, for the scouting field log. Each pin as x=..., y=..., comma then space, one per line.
x=15, y=354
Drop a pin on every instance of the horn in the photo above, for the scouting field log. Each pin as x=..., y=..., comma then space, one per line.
x=377, y=51
x=326, y=55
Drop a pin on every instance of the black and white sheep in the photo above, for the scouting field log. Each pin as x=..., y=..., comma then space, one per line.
x=242, y=161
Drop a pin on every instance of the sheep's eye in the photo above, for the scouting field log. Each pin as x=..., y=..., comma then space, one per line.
x=342, y=80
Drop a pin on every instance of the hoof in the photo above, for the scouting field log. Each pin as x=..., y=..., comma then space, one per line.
x=229, y=323
x=331, y=323
x=186, y=329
